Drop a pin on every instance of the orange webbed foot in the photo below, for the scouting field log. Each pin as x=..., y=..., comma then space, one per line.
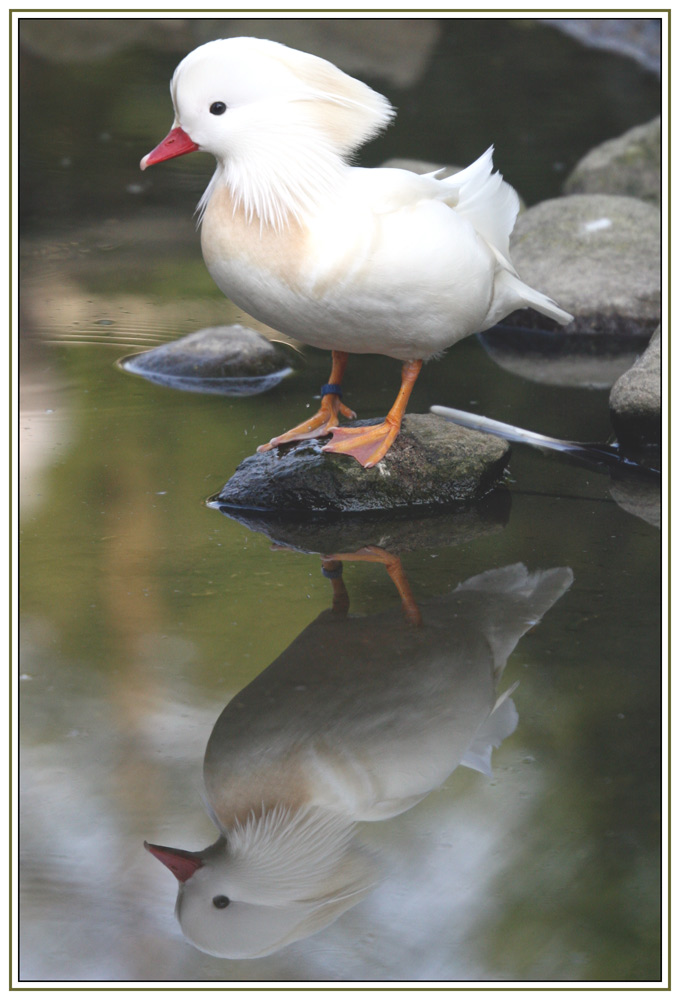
x=321, y=424
x=368, y=444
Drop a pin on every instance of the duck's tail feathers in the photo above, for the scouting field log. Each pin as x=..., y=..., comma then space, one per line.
x=500, y=724
x=514, y=601
x=511, y=293
x=484, y=198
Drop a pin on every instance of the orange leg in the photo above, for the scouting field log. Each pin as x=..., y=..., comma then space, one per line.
x=370, y=444
x=327, y=416
x=392, y=563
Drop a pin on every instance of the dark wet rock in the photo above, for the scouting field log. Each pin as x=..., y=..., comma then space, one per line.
x=628, y=165
x=635, y=400
x=457, y=525
x=228, y=360
x=598, y=256
x=638, y=38
x=431, y=463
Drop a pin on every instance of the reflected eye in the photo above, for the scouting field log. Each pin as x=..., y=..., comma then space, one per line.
x=219, y=902
x=218, y=108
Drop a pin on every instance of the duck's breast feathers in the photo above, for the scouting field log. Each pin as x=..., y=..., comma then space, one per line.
x=229, y=235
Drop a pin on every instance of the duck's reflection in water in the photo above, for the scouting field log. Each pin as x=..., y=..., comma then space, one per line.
x=357, y=720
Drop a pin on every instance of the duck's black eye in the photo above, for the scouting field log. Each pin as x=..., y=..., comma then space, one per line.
x=218, y=108
x=219, y=902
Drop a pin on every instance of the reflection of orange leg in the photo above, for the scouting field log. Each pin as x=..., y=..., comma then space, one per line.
x=332, y=568
x=328, y=414
x=392, y=563
x=369, y=444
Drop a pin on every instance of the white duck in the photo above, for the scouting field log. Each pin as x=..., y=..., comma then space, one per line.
x=357, y=720
x=358, y=261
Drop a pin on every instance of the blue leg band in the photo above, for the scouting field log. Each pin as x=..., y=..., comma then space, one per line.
x=332, y=574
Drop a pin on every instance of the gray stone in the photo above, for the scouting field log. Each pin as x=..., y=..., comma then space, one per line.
x=227, y=360
x=635, y=400
x=598, y=256
x=432, y=462
x=628, y=165
x=638, y=38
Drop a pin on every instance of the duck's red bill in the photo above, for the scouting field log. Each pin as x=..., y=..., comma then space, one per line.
x=182, y=864
x=176, y=143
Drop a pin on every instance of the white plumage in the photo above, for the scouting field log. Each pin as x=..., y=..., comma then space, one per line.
x=353, y=260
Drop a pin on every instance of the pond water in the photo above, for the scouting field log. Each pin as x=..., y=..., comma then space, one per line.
x=144, y=611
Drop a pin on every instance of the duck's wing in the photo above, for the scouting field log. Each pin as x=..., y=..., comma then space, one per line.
x=484, y=205
x=476, y=193
x=490, y=203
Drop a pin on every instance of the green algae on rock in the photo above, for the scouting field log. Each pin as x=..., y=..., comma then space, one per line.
x=431, y=463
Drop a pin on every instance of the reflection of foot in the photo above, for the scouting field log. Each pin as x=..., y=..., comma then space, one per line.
x=367, y=444
x=392, y=563
x=319, y=425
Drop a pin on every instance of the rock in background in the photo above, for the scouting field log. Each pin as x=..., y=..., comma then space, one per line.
x=628, y=165
x=597, y=251
x=598, y=256
x=637, y=37
x=224, y=360
x=635, y=400
x=394, y=48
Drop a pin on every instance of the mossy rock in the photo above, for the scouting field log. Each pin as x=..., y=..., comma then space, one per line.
x=628, y=165
x=597, y=256
x=432, y=463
